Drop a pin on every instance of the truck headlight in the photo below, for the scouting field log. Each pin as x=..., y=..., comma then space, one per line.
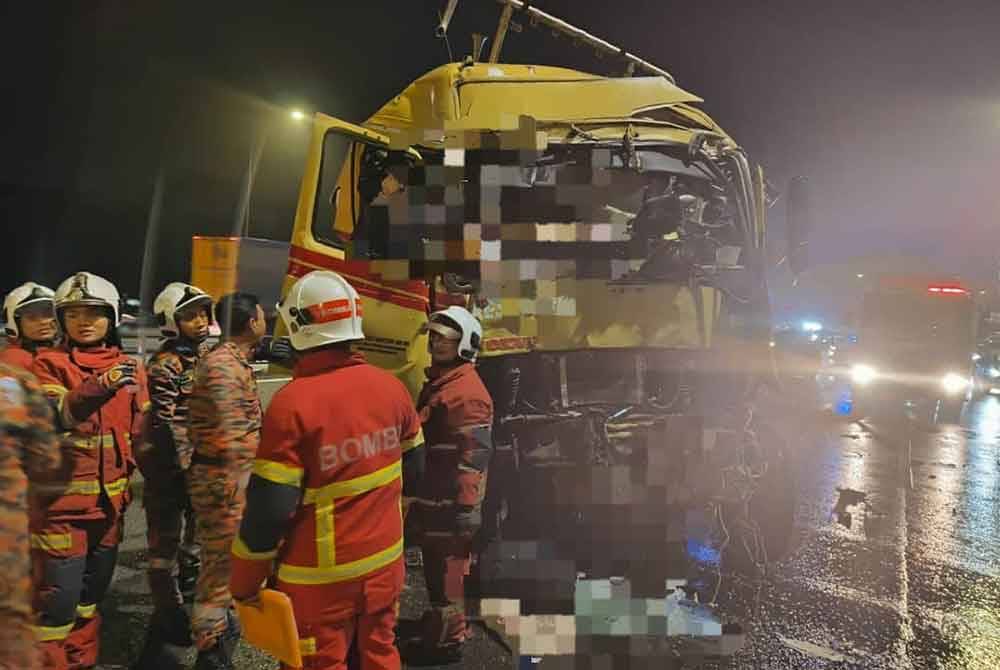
x=954, y=383
x=863, y=374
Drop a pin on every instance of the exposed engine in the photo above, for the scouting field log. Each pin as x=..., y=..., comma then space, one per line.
x=681, y=225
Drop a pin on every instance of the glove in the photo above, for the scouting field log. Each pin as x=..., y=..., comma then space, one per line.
x=274, y=350
x=118, y=376
x=281, y=349
x=96, y=390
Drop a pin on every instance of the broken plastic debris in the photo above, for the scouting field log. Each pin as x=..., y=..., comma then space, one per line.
x=814, y=650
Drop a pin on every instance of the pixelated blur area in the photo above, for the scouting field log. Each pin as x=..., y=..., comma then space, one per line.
x=512, y=216
x=624, y=527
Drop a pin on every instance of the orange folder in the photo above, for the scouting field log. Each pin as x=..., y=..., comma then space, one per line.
x=269, y=625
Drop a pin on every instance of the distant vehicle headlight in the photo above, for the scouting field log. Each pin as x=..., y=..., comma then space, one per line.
x=863, y=374
x=954, y=383
x=993, y=373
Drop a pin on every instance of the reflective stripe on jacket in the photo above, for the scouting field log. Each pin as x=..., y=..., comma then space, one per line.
x=335, y=435
x=97, y=451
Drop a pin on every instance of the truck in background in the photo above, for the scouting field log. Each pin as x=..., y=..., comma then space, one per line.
x=914, y=355
x=221, y=265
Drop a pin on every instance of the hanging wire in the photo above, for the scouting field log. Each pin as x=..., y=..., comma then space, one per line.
x=447, y=44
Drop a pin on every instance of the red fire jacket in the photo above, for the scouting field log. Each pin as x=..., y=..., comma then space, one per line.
x=457, y=415
x=97, y=448
x=327, y=478
x=15, y=355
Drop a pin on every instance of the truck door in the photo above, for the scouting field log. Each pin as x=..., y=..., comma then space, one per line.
x=352, y=178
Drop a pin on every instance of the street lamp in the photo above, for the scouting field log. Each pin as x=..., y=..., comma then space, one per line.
x=861, y=275
x=242, y=224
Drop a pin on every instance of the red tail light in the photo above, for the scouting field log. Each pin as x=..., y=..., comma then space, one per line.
x=948, y=290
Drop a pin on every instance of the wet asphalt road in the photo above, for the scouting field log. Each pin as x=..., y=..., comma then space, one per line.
x=909, y=575
x=903, y=573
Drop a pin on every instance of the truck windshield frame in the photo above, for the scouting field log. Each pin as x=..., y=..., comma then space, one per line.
x=590, y=184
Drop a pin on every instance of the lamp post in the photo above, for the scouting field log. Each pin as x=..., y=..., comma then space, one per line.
x=241, y=224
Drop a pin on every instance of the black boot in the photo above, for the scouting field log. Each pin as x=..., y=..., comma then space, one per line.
x=220, y=655
x=167, y=642
x=215, y=658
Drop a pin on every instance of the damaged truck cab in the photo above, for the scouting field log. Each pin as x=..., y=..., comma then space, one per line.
x=610, y=236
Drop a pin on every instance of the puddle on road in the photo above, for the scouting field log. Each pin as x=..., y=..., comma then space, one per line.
x=846, y=499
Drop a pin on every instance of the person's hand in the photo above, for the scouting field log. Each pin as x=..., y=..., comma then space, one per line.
x=118, y=376
x=274, y=350
x=281, y=349
x=252, y=600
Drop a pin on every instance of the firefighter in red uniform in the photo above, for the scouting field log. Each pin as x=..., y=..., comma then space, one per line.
x=457, y=416
x=30, y=322
x=76, y=516
x=340, y=443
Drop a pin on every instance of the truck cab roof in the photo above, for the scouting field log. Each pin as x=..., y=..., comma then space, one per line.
x=494, y=96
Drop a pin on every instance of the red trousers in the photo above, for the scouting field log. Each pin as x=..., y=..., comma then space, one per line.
x=447, y=559
x=330, y=616
x=72, y=566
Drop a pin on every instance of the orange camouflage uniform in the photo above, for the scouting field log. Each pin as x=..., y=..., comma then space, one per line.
x=224, y=429
x=27, y=447
x=164, y=462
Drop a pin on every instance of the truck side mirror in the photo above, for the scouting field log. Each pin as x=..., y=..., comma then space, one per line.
x=798, y=217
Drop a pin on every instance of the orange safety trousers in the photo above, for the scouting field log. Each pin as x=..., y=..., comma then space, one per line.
x=72, y=566
x=330, y=617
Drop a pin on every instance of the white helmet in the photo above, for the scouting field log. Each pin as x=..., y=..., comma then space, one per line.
x=321, y=308
x=85, y=288
x=172, y=299
x=24, y=295
x=469, y=331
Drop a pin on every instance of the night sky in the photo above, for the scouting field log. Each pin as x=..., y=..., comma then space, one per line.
x=891, y=108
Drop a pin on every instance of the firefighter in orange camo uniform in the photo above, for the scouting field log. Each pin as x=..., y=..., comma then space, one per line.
x=28, y=448
x=184, y=313
x=457, y=416
x=30, y=324
x=77, y=517
x=340, y=444
x=224, y=429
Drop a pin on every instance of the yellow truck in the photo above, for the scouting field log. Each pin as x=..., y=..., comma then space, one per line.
x=611, y=238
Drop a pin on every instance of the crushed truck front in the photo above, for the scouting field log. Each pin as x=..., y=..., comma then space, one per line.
x=610, y=237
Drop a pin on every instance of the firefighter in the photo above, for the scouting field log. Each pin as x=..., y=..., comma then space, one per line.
x=30, y=323
x=28, y=448
x=184, y=314
x=340, y=445
x=77, y=520
x=457, y=416
x=224, y=430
